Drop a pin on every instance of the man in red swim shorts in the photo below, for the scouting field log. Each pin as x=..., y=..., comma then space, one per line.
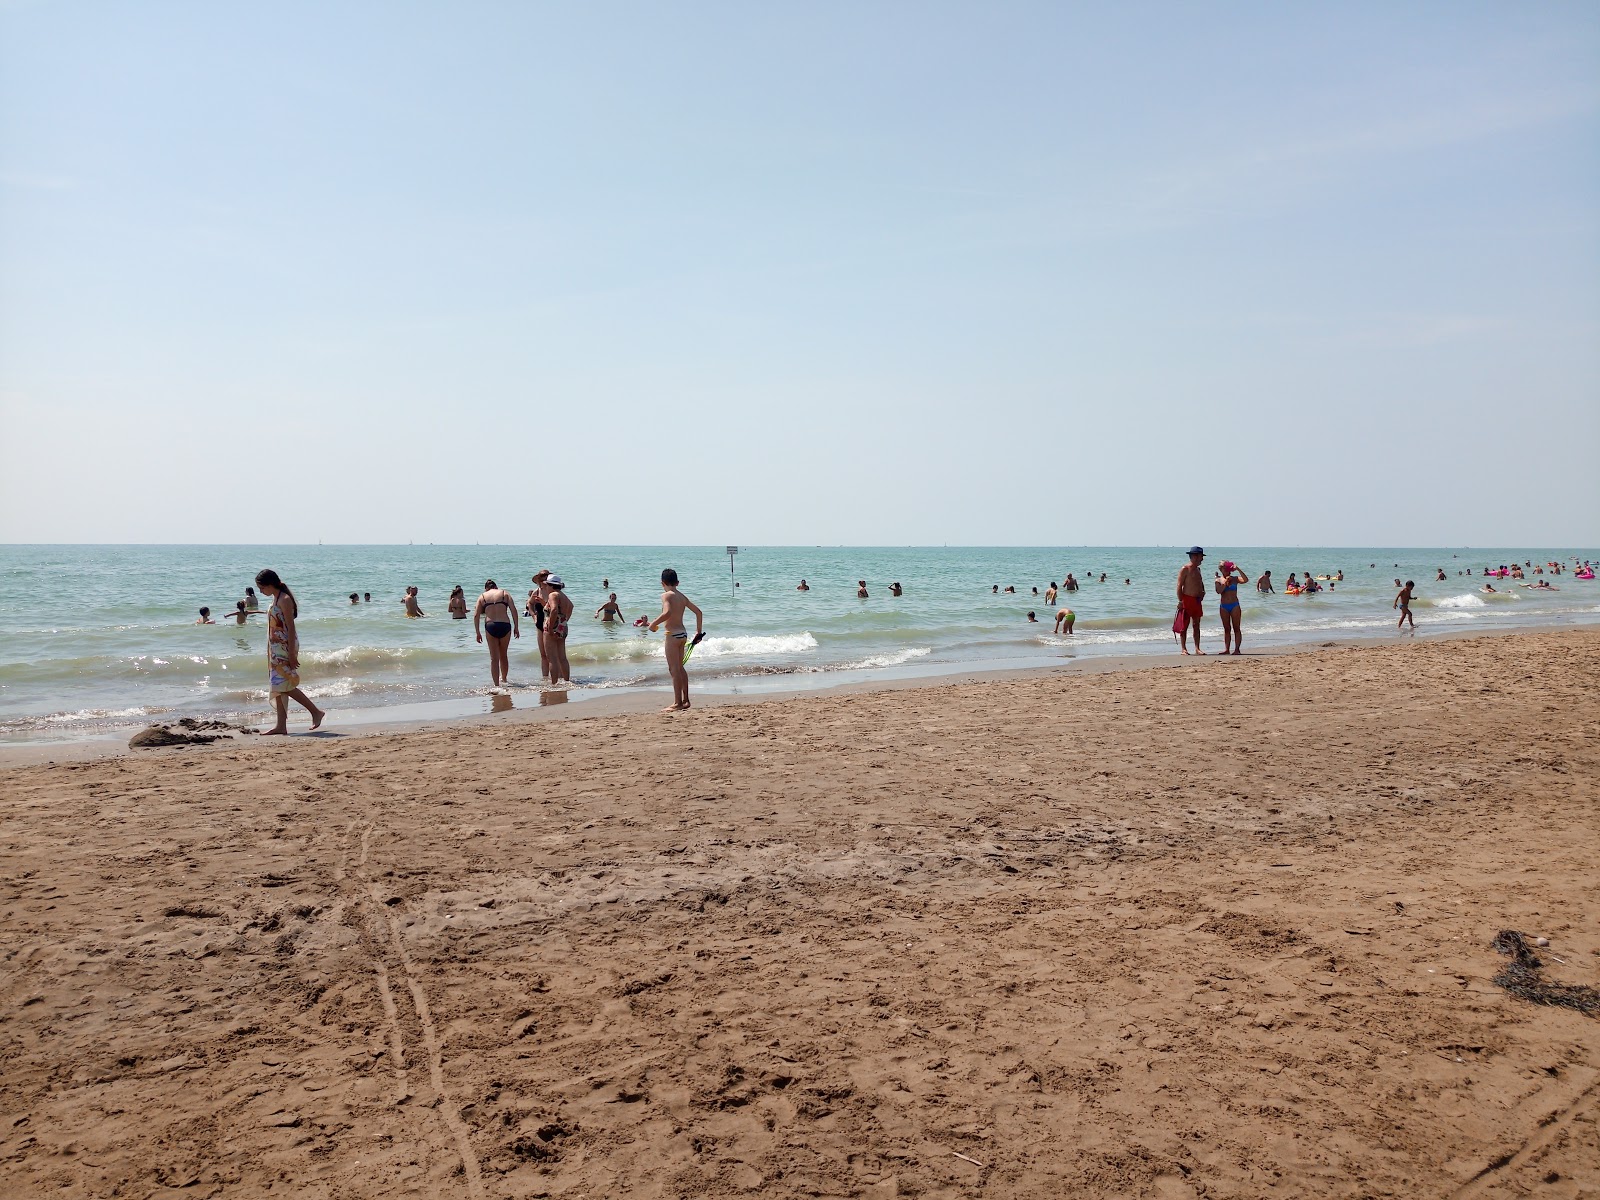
x=1191, y=587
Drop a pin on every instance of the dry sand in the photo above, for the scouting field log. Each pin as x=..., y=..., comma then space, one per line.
x=1212, y=932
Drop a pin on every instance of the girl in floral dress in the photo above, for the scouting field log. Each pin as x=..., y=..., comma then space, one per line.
x=283, y=653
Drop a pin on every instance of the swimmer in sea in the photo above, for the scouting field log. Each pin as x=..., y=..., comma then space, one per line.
x=1227, y=584
x=1071, y=584
x=355, y=598
x=1064, y=619
x=1127, y=583
x=497, y=612
x=250, y=601
x=1402, y=601
x=413, y=609
x=1050, y=594
x=895, y=589
x=610, y=611
x=1032, y=620
x=366, y=597
x=205, y=617
x=1102, y=576
x=241, y=614
x=1441, y=575
x=995, y=589
x=861, y=589
x=1036, y=589
x=1488, y=587
x=1264, y=584
x=803, y=587
x=458, y=604
x=673, y=605
x=1010, y=591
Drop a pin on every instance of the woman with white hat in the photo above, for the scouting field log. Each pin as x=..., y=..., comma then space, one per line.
x=557, y=613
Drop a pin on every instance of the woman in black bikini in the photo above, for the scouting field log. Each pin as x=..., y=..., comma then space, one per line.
x=557, y=612
x=498, y=613
x=535, y=609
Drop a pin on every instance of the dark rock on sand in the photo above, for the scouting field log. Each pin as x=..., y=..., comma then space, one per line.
x=187, y=732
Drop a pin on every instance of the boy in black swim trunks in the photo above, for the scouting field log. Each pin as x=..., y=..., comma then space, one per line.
x=1402, y=601
x=673, y=605
x=497, y=612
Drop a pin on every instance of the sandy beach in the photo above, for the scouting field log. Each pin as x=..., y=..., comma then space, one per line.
x=1222, y=932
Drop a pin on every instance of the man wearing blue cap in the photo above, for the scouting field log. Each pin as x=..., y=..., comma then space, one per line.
x=1191, y=590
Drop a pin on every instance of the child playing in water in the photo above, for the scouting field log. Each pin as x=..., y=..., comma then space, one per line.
x=1402, y=601
x=673, y=604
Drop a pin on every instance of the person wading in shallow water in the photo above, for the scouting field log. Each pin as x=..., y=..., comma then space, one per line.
x=557, y=614
x=498, y=613
x=673, y=605
x=283, y=653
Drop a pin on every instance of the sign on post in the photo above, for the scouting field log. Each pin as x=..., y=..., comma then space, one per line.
x=732, y=550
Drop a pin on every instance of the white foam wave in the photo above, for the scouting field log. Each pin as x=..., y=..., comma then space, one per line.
x=893, y=659
x=339, y=687
x=98, y=714
x=1467, y=601
x=349, y=656
x=721, y=647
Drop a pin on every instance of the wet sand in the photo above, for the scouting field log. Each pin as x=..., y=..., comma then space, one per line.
x=1211, y=932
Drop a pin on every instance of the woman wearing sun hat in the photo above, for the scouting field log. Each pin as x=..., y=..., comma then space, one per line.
x=1229, y=577
x=557, y=612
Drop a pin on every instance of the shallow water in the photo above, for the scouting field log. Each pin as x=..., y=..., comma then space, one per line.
x=95, y=639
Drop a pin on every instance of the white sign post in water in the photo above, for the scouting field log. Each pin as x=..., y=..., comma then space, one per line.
x=732, y=550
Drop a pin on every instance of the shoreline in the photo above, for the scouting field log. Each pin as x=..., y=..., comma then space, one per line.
x=590, y=704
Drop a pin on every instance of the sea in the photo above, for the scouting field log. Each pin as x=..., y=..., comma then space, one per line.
x=96, y=641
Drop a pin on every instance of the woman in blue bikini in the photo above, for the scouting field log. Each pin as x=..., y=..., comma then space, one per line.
x=1229, y=577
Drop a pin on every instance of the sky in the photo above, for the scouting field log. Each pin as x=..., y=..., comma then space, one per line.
x=859, y=273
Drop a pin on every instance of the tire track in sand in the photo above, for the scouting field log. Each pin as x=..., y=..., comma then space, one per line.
x=448, y=1108
x=1544, y=1134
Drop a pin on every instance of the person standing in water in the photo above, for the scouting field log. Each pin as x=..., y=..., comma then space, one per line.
x=610, y=611
x=1190, y=590
x=1264, y=584
x=1228, y=580
x=458, y=604
x=413, y=609
x=498, y=613
x=537, y=596
x=283, y=653
x=1064, y=619
x=250, y=601
x=557, y=614
x=673, y=605
x=1402, y=601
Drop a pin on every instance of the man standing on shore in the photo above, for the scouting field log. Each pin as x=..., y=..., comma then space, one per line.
x=1191, y=589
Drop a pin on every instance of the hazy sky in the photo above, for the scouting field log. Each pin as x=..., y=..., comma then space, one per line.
x=798, y=273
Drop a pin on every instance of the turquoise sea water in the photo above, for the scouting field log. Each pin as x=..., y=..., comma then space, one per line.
x=94, y=639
